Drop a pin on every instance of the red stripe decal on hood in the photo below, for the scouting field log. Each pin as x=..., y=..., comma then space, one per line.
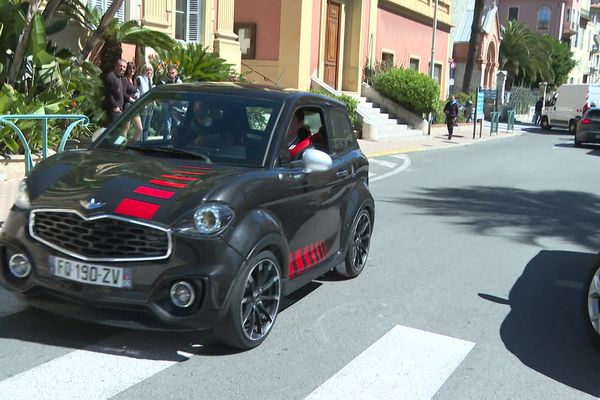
x=179, y=177
x=148, y=191
x=136, y=208
x=169, y=184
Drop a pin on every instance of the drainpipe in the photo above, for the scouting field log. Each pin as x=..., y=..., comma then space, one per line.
x=562, y=21
x=432, y=66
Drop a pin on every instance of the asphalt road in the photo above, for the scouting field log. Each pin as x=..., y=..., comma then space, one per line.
x=472, y=291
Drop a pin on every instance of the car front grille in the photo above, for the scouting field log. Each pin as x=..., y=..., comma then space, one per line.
x=104, y=238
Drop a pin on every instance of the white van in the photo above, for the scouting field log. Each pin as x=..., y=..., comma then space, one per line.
x=567, y=105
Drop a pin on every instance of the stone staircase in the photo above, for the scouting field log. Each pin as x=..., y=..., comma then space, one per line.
x=386, y=124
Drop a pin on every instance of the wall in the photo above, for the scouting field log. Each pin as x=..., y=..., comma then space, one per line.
x=408, y=38
x=266, y=15
x=528, y=13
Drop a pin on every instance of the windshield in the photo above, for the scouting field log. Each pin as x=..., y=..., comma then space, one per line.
x=216, y=128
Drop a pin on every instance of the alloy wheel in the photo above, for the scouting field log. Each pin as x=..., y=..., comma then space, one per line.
x=260, y=301
x=361, y=241
x=594, y=301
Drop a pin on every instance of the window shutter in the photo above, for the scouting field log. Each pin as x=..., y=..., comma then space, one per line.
x=193, y=15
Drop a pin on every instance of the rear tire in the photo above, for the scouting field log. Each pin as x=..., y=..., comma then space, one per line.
x=545, y=124
x=591, y=304
x=254, y=303
x=577, y=142
x=357, y=246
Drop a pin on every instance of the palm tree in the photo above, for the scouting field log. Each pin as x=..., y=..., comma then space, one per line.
x=524, y=55
x=473, y=44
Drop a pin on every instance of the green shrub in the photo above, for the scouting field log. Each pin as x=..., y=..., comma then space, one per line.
x=411, y=89
x=351, y=103
x=463, y=97
x=194, y=63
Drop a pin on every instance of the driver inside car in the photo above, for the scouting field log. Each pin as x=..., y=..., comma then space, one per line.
x=301, y=136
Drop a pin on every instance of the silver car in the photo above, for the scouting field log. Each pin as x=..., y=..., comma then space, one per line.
x=588, y=127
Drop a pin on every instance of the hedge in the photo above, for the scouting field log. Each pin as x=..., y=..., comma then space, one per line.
x=409, y=88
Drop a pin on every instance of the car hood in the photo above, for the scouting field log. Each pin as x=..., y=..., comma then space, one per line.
x=154, y=189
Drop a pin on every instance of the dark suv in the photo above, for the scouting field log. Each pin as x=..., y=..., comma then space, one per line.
x=195, y=210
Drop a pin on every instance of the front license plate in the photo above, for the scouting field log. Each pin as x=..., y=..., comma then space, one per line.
x=89, y=273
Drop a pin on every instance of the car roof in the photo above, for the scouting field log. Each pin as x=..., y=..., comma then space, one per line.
x=246, y=89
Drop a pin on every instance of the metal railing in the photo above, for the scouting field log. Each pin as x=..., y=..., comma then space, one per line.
x=510, y=124
x=8, y=121
x=495, y=119
x=266, y=78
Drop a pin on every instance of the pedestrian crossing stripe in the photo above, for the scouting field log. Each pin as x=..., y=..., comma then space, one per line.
x=405, y=363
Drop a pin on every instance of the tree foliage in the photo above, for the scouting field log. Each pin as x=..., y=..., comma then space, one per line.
x=413, y=90
x=194, y=63
x=529, y=57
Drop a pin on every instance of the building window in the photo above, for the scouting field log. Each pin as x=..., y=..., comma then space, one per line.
x=568, y=14
x=414, y=64
x=437, y=72
x=387, y=59
x=543, y=18
x=513, y=13
x=103, y=5
x=187, y=20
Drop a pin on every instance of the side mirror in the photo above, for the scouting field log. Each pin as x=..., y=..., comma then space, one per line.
x=316, y=160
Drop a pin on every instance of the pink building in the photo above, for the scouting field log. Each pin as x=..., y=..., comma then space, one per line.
x=291, y=43
x=559, y=19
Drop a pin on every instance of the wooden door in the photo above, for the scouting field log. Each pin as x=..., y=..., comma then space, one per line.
x=332, y=39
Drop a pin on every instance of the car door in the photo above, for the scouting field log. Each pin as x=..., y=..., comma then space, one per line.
x=309, y=206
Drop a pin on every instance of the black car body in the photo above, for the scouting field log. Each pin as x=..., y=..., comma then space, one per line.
x=200, y=220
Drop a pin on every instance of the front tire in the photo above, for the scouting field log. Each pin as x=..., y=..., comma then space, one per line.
x=254, y=303
x=357, y=246
x=545, y=124
x=591, y=304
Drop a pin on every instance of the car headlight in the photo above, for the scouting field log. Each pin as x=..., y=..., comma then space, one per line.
x=209, y=219
x=22, y=199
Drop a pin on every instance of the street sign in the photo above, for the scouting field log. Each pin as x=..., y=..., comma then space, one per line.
x=480, y=98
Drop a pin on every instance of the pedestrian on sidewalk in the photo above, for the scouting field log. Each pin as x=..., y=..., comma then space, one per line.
x=451, y=111
x=539, y=105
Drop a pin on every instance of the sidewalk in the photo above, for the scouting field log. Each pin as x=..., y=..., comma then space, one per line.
x=463, y=135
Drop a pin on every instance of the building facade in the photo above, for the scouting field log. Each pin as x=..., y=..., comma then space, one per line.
x=488, y=46
x=568, y=21
x=290, y=43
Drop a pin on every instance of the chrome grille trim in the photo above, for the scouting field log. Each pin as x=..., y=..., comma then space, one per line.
x=32, y=233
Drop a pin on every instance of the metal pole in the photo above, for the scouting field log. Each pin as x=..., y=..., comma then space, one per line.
x=431, y=67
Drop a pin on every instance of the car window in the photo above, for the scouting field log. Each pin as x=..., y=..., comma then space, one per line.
x=593, y=114
x=342, y=137
x=229, y=129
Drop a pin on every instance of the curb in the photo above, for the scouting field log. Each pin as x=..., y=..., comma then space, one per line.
x=419, y=149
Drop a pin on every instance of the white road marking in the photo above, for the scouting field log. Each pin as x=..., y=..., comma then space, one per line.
x=372, y=174
x=405, y=164
x=388, y=164
x=405, y=363
x=81, y=374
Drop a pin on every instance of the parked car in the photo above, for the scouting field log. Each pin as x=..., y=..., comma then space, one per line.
x=567, y=104
x=588, y=127
x=591, y=304
x=203, y=220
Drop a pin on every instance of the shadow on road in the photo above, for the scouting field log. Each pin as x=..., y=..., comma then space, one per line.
x=528, y=215
x=36, y=326
x=545, y=326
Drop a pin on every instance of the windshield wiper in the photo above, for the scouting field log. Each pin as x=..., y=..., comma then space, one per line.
x=169, y=149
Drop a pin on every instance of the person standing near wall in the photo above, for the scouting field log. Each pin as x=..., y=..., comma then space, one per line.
x=113, y=92
x=539, y=105
x=451, y=111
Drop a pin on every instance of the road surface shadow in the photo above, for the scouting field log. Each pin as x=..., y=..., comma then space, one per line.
x=528, y=215
x=545, y=326
x=36, y=326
